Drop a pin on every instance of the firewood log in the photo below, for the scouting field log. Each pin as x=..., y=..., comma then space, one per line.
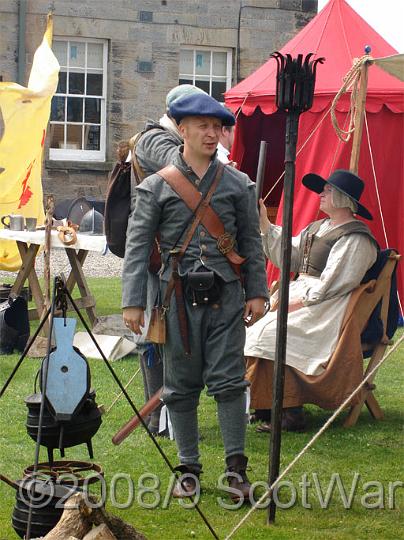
x=100, y=533
x=78, y=518
x=73, y=521
x=121, y=529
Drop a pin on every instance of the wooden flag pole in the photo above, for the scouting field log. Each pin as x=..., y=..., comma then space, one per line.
x=359, y=119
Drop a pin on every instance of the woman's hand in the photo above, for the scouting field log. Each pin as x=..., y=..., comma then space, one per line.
x=294, y=305
x=264, y=221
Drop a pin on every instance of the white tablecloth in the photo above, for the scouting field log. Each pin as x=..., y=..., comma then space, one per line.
x=84, y=241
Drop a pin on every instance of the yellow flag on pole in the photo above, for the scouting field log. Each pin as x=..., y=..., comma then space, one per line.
x=24, y=116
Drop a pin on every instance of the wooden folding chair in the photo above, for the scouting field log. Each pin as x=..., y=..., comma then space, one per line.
x=379, y=292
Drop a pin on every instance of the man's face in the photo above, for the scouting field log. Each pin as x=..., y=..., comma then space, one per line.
x=227, y=137
x=201, y=134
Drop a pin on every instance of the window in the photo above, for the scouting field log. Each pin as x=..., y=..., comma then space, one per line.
x=209, y=69
x=77, y=123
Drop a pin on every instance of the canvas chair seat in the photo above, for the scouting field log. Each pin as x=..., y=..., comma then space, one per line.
x=345, y=369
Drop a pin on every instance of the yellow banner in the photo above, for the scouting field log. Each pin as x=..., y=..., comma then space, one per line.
x=24, y=116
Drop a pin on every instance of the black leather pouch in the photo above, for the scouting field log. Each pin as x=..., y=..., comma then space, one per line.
x=202, y=287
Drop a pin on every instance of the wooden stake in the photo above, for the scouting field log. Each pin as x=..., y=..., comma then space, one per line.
x=50, y=207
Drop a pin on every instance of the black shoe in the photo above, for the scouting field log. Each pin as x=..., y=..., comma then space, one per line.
x=292, y=420
x=260, y=415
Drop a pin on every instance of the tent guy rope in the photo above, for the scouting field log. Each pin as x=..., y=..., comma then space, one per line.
x=313, y=439
x=298, y=152
x=378, y=195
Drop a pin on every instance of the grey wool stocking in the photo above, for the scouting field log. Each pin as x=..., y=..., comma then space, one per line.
x=233, y=422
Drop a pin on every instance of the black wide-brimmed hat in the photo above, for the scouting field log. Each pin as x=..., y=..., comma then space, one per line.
x=344, y=181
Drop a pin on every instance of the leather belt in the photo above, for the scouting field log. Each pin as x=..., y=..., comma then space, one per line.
x=179, y=298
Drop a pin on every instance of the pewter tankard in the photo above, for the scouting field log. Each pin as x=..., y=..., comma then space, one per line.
x=30, y=223
x=16, y=222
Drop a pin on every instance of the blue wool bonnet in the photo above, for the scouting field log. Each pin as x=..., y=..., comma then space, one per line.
x=200, y=105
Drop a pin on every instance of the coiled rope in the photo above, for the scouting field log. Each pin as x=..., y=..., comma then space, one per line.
x=351, y=80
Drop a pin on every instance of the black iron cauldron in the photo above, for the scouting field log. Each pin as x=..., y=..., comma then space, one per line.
x=47, y=506
x=46, y=499
x=47, y=491
x=54, y=434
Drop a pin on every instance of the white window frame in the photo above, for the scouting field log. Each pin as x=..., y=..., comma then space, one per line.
x=192, y=76
x=67, y=154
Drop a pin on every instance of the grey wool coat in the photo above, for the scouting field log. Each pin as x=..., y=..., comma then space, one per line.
x=160, y=209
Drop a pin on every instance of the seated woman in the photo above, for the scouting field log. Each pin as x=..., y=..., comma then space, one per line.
x=331, y=257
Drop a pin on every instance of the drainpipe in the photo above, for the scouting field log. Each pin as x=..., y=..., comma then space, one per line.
x=22, y=16
x=238, y=43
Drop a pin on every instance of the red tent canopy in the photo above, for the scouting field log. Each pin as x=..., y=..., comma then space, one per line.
x=339, y=34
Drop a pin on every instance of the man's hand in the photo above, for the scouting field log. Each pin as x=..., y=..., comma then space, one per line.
x=254, y=310
x=133, y=317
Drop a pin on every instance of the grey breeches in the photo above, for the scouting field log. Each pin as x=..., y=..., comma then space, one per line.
x=217, y=336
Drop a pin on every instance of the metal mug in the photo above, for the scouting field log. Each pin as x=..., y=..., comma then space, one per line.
x=30, y=223
x=16, y=222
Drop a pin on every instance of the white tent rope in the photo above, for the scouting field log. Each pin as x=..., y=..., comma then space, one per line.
x=302, y=147
x=242, y=105
x=378, y=195
x=298, y=152
x=375, y=180
x=313, y=439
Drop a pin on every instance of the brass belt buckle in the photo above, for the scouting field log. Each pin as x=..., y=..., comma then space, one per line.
x=225, y=243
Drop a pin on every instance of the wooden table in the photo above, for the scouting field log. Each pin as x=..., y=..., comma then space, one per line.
x=29, y=243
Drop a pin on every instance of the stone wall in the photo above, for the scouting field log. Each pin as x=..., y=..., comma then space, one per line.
x=254, y=30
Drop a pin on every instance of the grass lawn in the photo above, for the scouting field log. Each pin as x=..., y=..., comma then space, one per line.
x=370, y=454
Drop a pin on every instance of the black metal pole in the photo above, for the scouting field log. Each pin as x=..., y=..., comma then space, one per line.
x=44, y=380
x=295, y=82
x=282, y=315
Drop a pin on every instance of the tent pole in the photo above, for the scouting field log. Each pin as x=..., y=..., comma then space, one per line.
x=359, y=119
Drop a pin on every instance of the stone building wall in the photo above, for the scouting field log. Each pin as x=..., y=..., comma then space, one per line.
x=252, y=29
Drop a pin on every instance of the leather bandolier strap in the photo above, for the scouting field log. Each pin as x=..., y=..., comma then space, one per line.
x=176, y=254
x=210, y=220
